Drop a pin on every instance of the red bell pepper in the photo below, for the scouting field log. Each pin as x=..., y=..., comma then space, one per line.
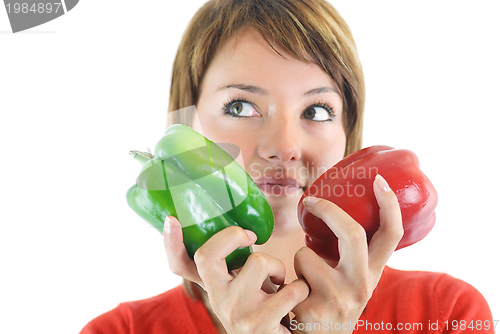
x=349, y=184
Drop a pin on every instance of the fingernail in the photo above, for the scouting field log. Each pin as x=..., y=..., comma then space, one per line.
x=310, y=201
x=167, y=226
x=251, y=235
x=382, y=183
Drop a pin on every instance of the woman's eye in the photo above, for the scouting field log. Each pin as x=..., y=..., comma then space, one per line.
x=241, y=109
x=318, y=114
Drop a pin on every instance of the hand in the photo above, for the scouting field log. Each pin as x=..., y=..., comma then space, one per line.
x=241, y=302
x=178, y=259
x=340, y=293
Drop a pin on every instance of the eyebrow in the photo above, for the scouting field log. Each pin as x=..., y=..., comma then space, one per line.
x=261, y=91
x=321, y=90
x=246, y=88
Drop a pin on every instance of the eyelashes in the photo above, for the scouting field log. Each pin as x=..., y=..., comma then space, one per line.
x=231, y=102
x=330, y=113
x=325, y=109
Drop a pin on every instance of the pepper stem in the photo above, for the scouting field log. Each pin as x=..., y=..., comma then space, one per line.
x=142, y=157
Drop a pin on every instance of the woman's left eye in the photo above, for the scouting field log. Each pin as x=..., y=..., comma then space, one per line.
x=318, y=113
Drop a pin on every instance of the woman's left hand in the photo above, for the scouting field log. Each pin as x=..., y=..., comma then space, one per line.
x=339, y=294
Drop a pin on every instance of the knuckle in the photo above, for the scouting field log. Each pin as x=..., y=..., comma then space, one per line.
x=201, y=256
x=293, y=293
x=303, y=253
x=258, y=261
x=398, y=233
x=346, y=307
x=247, y=326
x=237, y=231
x=357, y=234
x=362, y=296
x=363, y=293
x=395, y=229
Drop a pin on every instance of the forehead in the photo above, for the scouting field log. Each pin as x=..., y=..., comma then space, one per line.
x=246, y=55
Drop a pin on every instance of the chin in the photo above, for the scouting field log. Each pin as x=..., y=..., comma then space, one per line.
x=285, y=215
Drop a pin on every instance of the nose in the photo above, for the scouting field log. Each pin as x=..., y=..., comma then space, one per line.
x=280, y=141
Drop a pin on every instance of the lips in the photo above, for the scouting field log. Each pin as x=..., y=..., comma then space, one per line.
x=279, y=185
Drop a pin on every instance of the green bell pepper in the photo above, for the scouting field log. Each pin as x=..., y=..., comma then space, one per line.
x=191, y=178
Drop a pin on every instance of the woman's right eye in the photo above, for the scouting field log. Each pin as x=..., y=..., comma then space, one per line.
x=240, y=109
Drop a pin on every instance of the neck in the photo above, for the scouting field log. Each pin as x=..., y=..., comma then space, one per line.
x=283, y=246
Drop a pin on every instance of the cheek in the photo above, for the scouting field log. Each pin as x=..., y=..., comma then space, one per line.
x=246, y=144
x=335, y=152
x=213, y=130
x=324, y=153
x=213, y=124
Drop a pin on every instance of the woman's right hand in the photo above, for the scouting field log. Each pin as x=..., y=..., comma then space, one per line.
x=238, y=301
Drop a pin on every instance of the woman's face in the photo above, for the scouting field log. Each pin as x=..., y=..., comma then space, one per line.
x=285, y=116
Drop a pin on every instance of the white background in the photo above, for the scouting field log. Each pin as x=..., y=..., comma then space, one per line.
x=77, y=93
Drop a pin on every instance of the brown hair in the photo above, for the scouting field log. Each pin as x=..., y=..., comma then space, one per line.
x=311, y=30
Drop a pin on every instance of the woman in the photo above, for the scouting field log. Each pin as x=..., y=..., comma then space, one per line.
x=281, y=80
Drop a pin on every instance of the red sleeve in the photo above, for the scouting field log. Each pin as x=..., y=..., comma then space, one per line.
x=462, y=308
x=112, y=322
x=170, y=312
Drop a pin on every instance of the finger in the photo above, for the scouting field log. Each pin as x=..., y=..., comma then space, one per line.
x=178, y=258
x=285, y=321
x=390, y=232
x=210, y=258
x=270, y=285
x=285, y=300
x=309, y=266
x=353, y=247
x=259, y=268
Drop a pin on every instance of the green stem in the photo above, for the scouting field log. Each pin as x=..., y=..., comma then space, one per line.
x=142, y=157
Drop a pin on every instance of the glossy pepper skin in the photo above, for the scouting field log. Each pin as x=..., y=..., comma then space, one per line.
x=191, y=178
x=349, y=184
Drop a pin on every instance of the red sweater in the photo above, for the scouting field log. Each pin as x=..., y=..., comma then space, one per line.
x=404, y=301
